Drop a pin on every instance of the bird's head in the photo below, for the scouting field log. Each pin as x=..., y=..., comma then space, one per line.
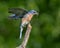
x=33, y=12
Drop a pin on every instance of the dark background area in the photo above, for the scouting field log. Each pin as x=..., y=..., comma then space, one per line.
x=45, y=28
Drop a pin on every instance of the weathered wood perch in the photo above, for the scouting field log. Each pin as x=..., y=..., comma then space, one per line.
x=25, y=40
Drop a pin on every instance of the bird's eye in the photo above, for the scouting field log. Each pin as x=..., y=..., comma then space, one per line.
x=34, y=12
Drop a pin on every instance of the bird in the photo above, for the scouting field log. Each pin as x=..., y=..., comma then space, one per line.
x=25, y=15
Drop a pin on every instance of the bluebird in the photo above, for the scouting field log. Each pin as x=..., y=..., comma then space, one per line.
x=25, y=16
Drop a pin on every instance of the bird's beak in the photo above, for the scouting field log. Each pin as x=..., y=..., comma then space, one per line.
x=37, y=14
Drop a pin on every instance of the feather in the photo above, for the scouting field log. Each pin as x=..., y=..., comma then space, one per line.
x=17, y=11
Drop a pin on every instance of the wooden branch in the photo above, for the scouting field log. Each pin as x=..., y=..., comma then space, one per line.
x=27, y=34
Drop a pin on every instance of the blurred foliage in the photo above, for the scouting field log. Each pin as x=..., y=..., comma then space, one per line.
x=46, y=27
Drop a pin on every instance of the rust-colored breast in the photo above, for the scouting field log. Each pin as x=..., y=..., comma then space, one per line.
x=27, y=18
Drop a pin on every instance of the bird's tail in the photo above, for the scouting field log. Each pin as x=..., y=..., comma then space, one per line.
x=20, y=35
x=21, y=32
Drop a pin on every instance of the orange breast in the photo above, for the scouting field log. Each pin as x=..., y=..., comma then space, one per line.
x=28, y=18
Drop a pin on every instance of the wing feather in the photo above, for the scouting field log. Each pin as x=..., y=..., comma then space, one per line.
x=17, y=11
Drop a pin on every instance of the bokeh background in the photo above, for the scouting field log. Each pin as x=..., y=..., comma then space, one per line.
x=46, y=26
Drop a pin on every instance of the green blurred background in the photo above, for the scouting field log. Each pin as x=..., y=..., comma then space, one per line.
x=46, y=27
